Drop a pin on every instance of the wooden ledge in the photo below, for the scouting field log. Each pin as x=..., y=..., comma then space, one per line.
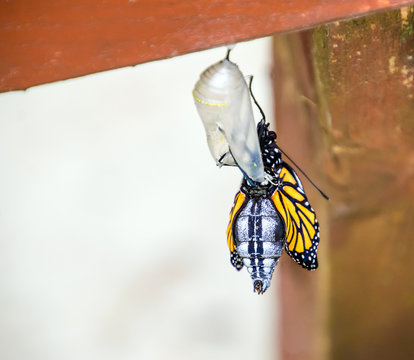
x=50, y=40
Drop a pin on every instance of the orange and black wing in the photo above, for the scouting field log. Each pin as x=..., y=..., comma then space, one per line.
x=235, y=259
x=302, y=227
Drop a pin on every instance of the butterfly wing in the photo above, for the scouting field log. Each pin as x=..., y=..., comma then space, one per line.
x=235, y=259
x=302, y=227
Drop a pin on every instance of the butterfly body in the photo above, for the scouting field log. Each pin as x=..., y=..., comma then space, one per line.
x=258, y=234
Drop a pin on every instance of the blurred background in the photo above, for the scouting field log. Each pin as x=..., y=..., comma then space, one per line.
x=113, y=218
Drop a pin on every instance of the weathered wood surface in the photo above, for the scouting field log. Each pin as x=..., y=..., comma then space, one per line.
x=303, y=295
x=45, y=40
x=363, y=141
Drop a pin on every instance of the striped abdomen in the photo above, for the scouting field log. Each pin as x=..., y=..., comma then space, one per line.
x=259, y=235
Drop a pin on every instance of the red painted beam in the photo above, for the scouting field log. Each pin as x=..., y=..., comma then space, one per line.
x=48, y=40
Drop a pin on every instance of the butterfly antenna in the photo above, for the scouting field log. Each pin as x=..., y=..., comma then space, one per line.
x=304, y=174
x=254, y=99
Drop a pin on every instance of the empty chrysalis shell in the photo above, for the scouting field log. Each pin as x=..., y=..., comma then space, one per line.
x=223, y=102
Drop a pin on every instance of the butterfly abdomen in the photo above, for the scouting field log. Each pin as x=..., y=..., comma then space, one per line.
x=259, y=236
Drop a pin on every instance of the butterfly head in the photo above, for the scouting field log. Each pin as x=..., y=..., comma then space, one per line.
x=256, y=190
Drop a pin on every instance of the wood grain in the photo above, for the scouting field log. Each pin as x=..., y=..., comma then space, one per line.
x=49, y=40
x=303, y=294
x=345, y=109
x=368, y=120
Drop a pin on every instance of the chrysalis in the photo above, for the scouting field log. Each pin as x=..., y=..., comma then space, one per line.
x=223, y=102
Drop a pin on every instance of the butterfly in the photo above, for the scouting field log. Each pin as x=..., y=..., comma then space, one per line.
x=271, y=211
x=270, y=216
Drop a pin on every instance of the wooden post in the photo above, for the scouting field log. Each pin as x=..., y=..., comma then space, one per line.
x=303, y=294
x=362, y=139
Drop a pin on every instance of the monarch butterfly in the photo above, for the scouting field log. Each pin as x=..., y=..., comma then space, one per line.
x=271, y=215
x=223, y=102
x=271, y=210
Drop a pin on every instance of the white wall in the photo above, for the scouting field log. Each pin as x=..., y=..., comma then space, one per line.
x=113, y=218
